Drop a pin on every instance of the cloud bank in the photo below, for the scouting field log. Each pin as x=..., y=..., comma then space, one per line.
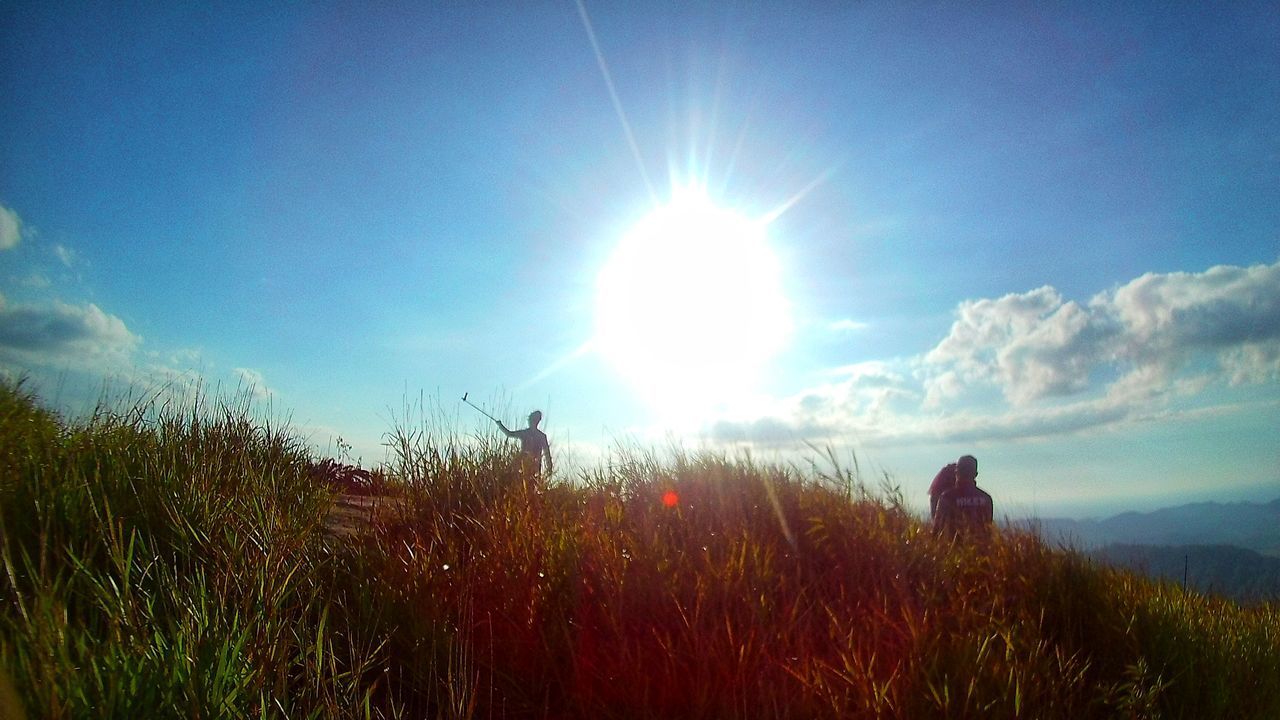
x=81, y=336
x=42, y=341
x=1036, y=364
x=1036, y=345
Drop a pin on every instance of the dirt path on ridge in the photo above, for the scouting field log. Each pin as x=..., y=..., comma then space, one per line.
x=355, y=514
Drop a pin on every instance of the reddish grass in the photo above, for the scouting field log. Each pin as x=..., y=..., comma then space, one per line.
x=757, y=594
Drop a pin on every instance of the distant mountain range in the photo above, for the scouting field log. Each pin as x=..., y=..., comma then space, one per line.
x=1229, y=549
x=1233, y=572
x=1253, y=526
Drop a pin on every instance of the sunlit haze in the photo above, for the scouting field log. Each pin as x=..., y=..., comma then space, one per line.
x=1047, y=235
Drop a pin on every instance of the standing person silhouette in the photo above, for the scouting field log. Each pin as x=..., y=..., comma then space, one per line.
x=965, y=507
x=533, y=444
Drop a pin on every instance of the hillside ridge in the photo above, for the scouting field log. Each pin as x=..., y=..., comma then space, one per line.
x=1249, y=525
x=187, y=561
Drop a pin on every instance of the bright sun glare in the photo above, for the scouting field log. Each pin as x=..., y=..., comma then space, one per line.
x=690, y=306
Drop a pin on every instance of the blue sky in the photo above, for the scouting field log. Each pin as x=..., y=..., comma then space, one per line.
x=1049, y=237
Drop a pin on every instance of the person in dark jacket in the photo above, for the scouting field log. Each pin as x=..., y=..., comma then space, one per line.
x=965, y=507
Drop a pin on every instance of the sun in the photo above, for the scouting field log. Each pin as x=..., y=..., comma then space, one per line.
x=690, y=307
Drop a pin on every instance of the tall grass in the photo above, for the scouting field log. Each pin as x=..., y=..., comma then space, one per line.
x=173, y=562
x=167, y=561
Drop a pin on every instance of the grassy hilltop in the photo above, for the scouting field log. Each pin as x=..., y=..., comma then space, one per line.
x=173, y=562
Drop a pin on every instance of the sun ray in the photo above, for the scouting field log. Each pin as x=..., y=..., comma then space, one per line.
x=799, y=195
x=558, y=364
x=617, y=102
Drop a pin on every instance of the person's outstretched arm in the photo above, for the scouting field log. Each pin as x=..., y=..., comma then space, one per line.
x=504, y=429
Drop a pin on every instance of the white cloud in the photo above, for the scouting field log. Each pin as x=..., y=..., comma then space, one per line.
x=10, y=228
x=1031, y=345
x=35, y=281
x=254, y=382
x=63, y=334
x=910, y=429
x=65, y=254
x=869, y=396
x=1229, y=314
x=1036, y=364
x=846, y=325
x=90, y=355
x=1136, y=338
x=1252, y=363
x=768, y=432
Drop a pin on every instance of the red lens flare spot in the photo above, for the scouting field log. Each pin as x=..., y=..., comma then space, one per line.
x=670, y=498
